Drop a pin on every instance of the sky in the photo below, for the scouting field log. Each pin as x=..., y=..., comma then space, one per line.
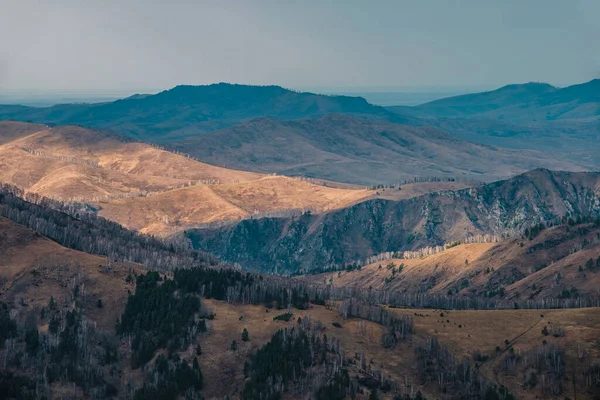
x=109, y=46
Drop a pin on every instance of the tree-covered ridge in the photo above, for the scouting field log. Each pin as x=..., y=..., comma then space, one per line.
x=236, y=286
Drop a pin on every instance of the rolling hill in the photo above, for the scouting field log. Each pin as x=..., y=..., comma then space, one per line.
x=348, y=149
x=149, y=189
x=376, y=226
x=74, y=163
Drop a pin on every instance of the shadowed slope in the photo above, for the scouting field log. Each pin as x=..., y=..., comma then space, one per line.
x=376, y=226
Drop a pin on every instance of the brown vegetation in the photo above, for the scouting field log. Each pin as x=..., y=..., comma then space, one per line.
x=549, y=265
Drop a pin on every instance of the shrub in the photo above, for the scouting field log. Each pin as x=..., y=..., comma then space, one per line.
x=283, y=317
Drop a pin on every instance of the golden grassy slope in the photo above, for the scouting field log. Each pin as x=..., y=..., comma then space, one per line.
x=132, y=158
x=158, y=192
x=181, y=208
x=74, y=163
x=449, y=265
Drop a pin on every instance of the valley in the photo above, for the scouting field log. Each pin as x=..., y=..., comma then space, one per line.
x=198, y=203
x=355, y=233
x=317, y=247
x=37, y=286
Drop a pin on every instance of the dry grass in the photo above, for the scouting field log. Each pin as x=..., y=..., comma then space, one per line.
x=174, y=210
x=132, y=158
x=485, y=331
x=525, y=269
x=80, y=164
x=75, y=163
x=34, y=268
x=448, y=266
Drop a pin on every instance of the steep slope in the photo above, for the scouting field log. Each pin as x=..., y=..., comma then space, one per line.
x=548, y=265
x=188, y=111
x=342, y=148
x=377, y=226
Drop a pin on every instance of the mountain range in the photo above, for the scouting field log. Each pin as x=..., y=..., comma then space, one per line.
x=189, y=111
x=563, y=122
x=518, y=103
x=270, y=129
x=147, y=249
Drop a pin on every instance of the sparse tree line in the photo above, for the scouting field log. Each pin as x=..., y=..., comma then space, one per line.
x=69, y=159
x=544, y=367
x=422, y=179
x=399, y=328
x=436, y=364
x=75, y=226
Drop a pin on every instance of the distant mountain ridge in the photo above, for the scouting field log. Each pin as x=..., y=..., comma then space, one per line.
x=273, y=129
x=186, y=111
x=475, y=103
x=517, y=103
x=564, y=122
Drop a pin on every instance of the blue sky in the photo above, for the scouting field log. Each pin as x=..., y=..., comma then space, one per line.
x=123, y=46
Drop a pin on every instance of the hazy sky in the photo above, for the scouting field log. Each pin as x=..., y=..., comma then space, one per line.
x=107, y=45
